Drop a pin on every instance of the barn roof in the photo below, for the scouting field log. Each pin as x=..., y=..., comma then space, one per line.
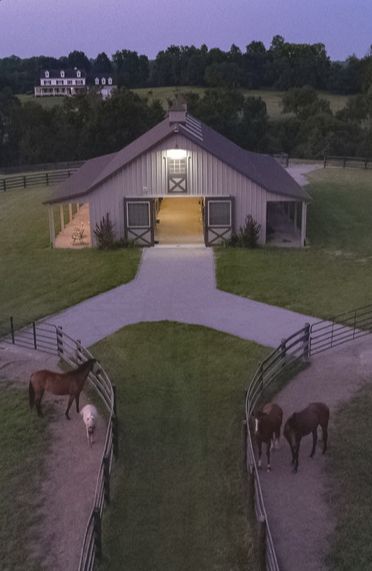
x=262, y=169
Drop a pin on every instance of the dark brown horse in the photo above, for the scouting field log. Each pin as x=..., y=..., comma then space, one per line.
x=70, y=383
x=267, y=425
x=302, y=423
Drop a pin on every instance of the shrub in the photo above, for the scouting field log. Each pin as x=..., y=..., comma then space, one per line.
x=248, y=235
x=104, y=233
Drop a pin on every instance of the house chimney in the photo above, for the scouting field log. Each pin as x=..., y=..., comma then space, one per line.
x=177, y=113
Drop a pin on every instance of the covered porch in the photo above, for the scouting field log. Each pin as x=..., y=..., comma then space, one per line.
x=286, y=223
x=69, y=225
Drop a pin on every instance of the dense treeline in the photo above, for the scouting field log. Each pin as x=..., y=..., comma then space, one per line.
x=85, y=126
x=282, y=66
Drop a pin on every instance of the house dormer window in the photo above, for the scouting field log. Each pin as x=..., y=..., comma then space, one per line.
x=47, y=74
x=110, y=80
x=103, y=81
x=78, y=73
x=96, y=81
x=62, y=73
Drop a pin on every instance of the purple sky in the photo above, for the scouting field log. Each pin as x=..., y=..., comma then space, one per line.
x=56, y=27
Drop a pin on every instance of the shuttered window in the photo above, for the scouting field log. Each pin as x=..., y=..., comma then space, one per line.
x=219, y=213
x=138, y=214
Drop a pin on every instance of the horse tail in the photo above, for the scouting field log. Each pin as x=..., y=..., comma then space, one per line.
x=31, y=393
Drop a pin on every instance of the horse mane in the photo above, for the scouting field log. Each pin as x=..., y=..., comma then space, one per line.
x=85, y=365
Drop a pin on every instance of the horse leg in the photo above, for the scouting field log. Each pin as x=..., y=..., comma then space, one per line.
x=77, y=402
x=297, y=450
x=70, y=401
x=277, y=439
x=38, y=403
x=315, y=438
x=259, y=444
x=268, y=447
x=325, y=438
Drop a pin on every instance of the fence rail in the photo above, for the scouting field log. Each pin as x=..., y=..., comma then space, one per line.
x=356, y=162
x=41, y=167
x=47, y=337
x=286, y=358
x=17, y=182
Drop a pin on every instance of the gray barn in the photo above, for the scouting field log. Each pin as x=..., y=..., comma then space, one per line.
x=181, y=182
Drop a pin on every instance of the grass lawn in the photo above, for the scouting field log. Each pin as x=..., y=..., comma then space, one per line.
x=23, y=438
x=335, y=273
x=36, y=280
x=350, y=488
x=179, y=498
x=271, y=98
x=46, y=102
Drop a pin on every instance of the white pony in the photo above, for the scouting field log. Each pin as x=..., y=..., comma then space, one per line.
x=89, y=414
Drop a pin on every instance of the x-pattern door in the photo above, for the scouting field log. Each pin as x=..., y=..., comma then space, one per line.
x=177, y=176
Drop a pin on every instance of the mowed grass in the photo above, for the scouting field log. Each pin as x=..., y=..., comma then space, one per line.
x=46, y=102
x=334, y=274
x=36, y=280
x=23, y=447
x=350, y=484
x=179, y=491
x=272, y=98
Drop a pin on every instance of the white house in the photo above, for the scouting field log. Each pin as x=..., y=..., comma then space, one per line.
x=182, y=182
x=64, y=82
x=104, y=85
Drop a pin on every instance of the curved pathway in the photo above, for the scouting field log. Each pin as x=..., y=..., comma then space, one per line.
x=178, y=284
x=299, y=514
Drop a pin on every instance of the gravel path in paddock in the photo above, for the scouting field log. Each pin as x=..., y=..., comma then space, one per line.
x=71, y=466
x=299, y=514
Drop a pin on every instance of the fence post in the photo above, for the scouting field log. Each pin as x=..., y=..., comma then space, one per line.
x=34, y=334
x=12, y=330
x=59, y=333
x=306, y=350
x=47, y=179
x=97, y=532
x=106, y=478
x=262, y=543
x=4, y=184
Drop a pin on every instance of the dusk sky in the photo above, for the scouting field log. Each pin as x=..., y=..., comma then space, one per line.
x=56, y=27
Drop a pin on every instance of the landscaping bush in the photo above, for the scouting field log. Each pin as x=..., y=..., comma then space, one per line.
x=248, y=235
x=104, y=233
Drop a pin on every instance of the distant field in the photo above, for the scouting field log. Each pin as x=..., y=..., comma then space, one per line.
x=271, y=98
x=46, y=102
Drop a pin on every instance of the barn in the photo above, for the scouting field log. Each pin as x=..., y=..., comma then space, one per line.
x=181, y=182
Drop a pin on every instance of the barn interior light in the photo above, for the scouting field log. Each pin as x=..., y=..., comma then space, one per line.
x=176, y=154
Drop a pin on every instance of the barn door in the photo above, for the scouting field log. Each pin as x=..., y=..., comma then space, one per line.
x=218, y=220
x=177, y=176
x=139, y=220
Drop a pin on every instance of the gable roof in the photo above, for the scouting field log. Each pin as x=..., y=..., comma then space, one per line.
x=262, y=169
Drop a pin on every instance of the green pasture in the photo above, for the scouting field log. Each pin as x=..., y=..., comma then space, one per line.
x=36, y=280
x=350, y=485
x=335, y=273
x=23, y=447
x=46, y=102
x=179, y=498
x=271, y=98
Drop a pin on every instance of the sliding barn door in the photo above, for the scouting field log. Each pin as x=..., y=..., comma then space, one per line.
x=218, y=220
x=139, y=220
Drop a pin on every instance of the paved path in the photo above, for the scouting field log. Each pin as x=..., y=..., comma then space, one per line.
x=299, y=172
x=299, y=514
x=177, y=284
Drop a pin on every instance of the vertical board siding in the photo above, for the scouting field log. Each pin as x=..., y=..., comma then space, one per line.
x=146, y=176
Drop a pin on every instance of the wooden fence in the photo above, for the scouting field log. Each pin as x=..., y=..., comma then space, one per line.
x=47, y=337
x=286, y=359
x=41, y=167
x=354, y=162
x=17, y=182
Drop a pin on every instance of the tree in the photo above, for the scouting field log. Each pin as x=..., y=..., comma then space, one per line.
x=304, y=102
x=132, y=70
x=102, y=64
x=79, y=60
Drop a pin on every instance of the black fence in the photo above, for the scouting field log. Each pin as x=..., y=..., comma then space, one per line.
x=354, y=162
x=41, y=167
x=47, y=337
x=293, y=353
x=17, y=182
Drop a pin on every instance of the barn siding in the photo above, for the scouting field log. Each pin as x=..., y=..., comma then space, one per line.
x=207, y=176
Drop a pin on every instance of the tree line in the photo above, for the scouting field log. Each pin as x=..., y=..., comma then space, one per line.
x=283, y=65
x=86, y=126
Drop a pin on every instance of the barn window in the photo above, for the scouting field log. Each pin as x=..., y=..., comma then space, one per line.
x=219, y=213
x=138, y=214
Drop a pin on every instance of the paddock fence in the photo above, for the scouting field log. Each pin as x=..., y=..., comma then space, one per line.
x=285, y=361
x=41, y=167
x=49, y=338
x=48, y=178
x=353, y=162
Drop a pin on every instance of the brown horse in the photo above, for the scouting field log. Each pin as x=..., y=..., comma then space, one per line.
x=70, y=383
x=268, y=422
x=302, y=423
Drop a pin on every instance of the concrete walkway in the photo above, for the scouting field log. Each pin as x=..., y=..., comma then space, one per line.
x=177, y=284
